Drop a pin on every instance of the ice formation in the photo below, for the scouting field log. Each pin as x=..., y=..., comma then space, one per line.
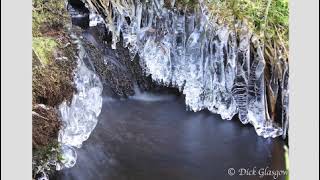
x=217, y=68
x=79, y=118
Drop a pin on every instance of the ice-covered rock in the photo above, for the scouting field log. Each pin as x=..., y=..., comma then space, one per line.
x=79, y=118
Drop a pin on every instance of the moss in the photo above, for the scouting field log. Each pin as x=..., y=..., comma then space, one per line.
x=44, y=47
x=53, y=84
x=53, y=62
x=52, y=47
x=268, y=19
x=43, y=155
x=45, y=126
x=48, y=15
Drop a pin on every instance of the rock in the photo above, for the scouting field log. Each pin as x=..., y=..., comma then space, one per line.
x=117, y=73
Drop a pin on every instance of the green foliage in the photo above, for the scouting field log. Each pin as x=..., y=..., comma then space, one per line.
x=52, y=79
x=43, y=156
x=47, y=15
x=44, y=47
x=259, y=13
x=268, y=19
x=45, y=153
x=278, y=20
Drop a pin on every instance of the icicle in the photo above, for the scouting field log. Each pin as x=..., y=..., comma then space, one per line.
x=81, y=116
x=217, y=68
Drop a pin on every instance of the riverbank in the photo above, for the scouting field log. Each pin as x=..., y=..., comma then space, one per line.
x=53, y=63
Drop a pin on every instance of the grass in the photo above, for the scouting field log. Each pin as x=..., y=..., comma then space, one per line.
x=44, y=47
x=267, y=19
x=47, y=14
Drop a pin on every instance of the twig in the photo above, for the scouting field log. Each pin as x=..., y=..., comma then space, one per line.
x=35, y=53
x=281, y=42
x=267, y=12
x=36, y=114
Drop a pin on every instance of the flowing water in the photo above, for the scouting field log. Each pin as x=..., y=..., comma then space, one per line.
x=153, y=137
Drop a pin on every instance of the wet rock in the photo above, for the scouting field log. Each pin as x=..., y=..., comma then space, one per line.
x=117, y=73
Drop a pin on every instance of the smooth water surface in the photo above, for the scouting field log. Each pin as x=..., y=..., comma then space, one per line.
x=153, y=137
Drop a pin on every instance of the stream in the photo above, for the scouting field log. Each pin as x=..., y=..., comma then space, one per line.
x=153, y=137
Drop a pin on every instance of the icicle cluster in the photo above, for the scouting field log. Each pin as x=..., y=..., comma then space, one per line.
x=217, y=68
x=80, y=117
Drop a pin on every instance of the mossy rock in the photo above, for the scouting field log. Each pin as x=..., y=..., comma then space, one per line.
x=53, y=53
x=53, y=64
